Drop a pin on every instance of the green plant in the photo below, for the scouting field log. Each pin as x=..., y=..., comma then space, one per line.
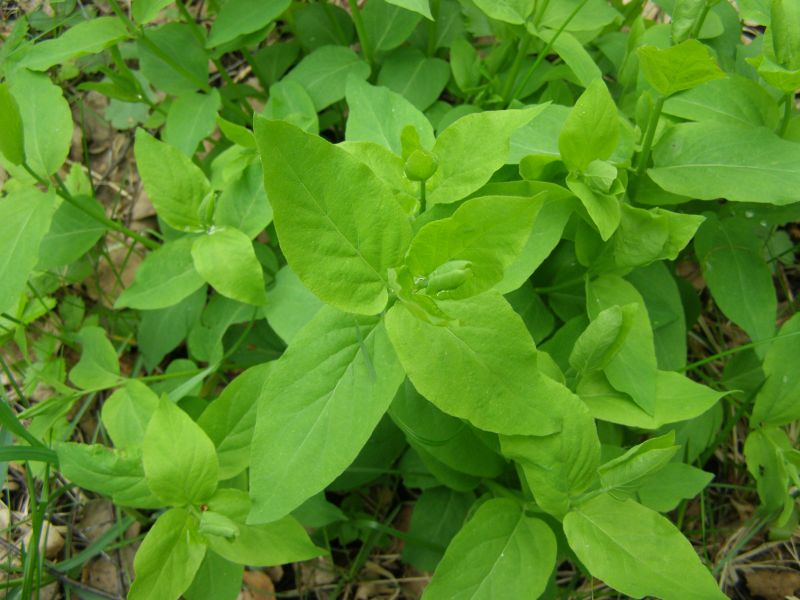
x=446, y=260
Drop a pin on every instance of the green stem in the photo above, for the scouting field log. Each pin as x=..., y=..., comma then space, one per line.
x=788, y=109
x=647, y=144
x=698, y=24
x=723, y=354
x=256, y=68
x=422, y=196
x=522, y=52
x=432, y=28
x=110, y=223
x=548, y=47
x=361, y=32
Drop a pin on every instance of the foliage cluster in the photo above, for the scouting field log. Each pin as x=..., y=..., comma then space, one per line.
x=428, y=242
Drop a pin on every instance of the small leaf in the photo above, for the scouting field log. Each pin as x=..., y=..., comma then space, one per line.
x=325, y=71
x=98, y=367
x=591, y=131
x=680, y=67
x=271, y=544
x=225, y=258
x=170, y=555
x=240, y=17
x=419, y=6
x=180, y=462
x=500, y=552
x=230, y=419
x=191, y=117
x=515, y=12
x=127, y=412
x=379, y=115
x=145, y=11
x=46, y=120
x=625, y=473
x=289, y=101
x=165, y=277
x=174, y=184
x=472, y=149
x=602, y=339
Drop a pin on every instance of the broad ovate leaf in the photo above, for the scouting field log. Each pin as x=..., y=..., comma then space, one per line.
x=485, y=346
x=339, y=239
x=318, y=408
x=624, y=544
x=500, y=552
x=180, y=461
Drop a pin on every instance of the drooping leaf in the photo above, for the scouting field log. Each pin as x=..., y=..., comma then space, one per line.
x=485, y=346
x=664, y=489
x=344, y=239
x=165, y=277
x=320, y=404
x=499, y=552
x=170, y=555
x=419, y=6
x=602, y=339
x=624, y=544
x=145, y=11
x=179, y=459
x=73, y=231
x=111, y=472
x=624, y=474
x=225, y=258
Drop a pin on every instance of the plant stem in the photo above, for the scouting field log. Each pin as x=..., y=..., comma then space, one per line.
x=788, y=109
x=432, y=28
x=543, y=54
x=422, y=196
x=698, y=24
x=647, y=144
x=256, y=68
x=110, y=223
x=361, y=32
x=522, y=51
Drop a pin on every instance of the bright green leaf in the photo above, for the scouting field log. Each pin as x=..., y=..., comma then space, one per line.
x=680, y=67
x=165, y=277
x=500, y=552
x=180, y=462
x=89, y=37
x=270, y=544
x=340, y=240
x=486, y=347
x=170, y=555
x=778, y=400
x=325, y=71
x=624, y=544
x=515, y=12
x=98, y=366
x=591, y=131
x=12, y=144
x=127, y=412
x=320, y=404
x=225, y=258
x=191, y=117
x=240, y=17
